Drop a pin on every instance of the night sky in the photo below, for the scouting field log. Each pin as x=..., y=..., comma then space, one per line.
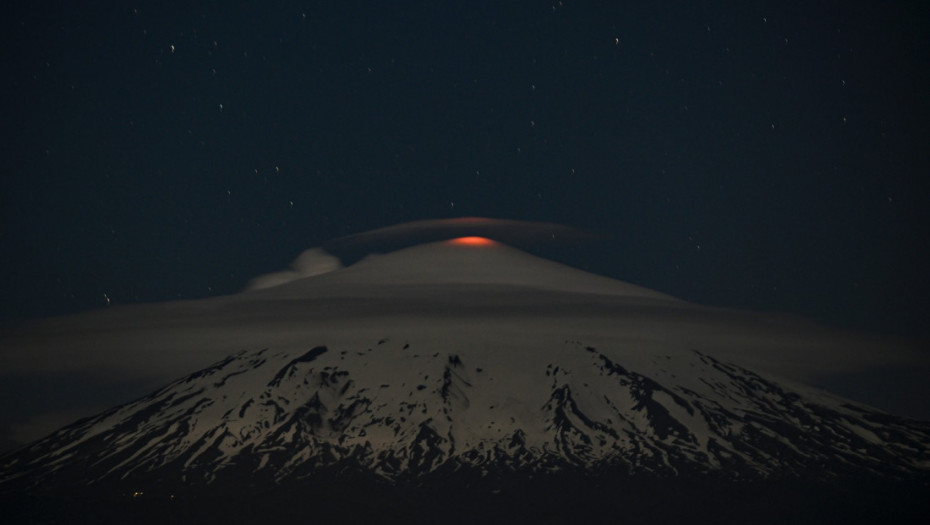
x=762, y=155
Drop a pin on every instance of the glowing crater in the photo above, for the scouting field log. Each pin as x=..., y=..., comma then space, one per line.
x=472, y=241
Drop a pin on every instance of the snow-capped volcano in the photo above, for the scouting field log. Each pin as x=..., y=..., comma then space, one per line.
x=458, y=361
x=438, y=293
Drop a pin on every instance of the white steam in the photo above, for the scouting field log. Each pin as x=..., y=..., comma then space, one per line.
x=314, y=261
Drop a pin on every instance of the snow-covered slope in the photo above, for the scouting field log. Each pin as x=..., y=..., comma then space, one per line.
x=400, y=410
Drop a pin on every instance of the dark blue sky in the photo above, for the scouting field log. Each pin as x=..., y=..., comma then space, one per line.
x=766, y=155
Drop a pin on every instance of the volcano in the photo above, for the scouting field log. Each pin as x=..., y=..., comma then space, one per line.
x=461, y=380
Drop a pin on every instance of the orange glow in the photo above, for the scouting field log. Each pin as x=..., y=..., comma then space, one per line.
x=472, y=241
